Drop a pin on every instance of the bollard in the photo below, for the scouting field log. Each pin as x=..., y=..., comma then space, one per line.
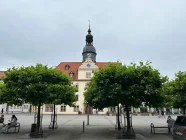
x=83, y=126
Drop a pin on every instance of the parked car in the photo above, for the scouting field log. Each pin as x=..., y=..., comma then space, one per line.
x=179, y=128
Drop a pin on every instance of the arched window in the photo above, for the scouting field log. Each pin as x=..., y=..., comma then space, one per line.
x=71, y=74
x=67, y=67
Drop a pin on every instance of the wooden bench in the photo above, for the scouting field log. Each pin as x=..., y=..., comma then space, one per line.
x=153, y=128
x=15, y=127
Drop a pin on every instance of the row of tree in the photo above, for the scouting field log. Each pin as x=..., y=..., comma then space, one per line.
x=114, y=84
x=175, y=92
x=37, y=85
x=134, y=85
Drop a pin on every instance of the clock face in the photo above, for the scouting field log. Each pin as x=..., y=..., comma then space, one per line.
x=88, y=65
x=88, y=54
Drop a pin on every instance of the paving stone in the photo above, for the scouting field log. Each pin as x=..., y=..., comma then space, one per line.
x=70, y=127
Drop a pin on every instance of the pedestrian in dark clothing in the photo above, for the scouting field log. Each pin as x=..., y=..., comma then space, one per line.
x=163, y=114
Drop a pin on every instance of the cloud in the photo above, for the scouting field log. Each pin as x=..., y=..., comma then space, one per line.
x=50, y=32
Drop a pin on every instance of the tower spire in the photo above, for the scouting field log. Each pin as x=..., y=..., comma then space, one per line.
x=89, y=37
x=89, y=50
x=89, y=30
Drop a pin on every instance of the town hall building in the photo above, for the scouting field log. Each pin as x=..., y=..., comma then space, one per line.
x=81, y=73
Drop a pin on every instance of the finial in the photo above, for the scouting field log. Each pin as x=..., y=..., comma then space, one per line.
x=89, y=23
x=89, y=31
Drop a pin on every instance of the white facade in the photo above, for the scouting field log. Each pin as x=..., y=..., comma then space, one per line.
x=14, y=108
x=84, y=75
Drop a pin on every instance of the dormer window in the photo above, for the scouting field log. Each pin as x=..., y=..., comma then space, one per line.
x=71, y=74
x=67, y=67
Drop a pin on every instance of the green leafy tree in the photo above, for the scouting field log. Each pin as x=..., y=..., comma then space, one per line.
x=37, y=85
x=67, y=98
x=6, y=96
x=168, y=92
x=1, y=87
x=129, y=85
x=178, y=91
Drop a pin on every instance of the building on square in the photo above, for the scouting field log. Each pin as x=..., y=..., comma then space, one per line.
x=81, y=73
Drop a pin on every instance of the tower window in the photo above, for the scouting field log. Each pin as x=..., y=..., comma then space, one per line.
x=88, y=74
x=71, y=74
x=67, y=67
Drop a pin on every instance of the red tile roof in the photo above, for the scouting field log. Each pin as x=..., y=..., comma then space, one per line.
x=2, y=74
x=101, y=64
x=74, y=67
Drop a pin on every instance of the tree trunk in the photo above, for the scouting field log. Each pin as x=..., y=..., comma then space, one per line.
x=38, y=119
x=119, y=127
x=129, y=132
x=183, y=111
x=128, y=117
x=30, y=109
x=87, y=114
x=54, y=116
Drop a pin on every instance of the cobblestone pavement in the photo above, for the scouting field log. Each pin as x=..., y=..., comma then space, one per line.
x=70, y=127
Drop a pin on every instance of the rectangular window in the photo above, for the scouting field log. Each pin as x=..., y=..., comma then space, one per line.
x=25, y=106
x=77, y=97
x=181, y=121
x=48, y=108
x=77, y=86
x=76, y=108
x=88, y=74
x=63, y=108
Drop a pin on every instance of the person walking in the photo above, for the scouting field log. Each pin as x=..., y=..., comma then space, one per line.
x=2, y=110
x=163, y=114
x=170, y=123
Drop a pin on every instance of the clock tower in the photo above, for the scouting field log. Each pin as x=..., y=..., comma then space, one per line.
x=89, y=50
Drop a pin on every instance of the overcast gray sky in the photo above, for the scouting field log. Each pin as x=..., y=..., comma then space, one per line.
x=53, y=31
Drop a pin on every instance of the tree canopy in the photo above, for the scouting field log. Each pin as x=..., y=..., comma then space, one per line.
x=37, y=85
x=176, y=91
x=129, y=85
